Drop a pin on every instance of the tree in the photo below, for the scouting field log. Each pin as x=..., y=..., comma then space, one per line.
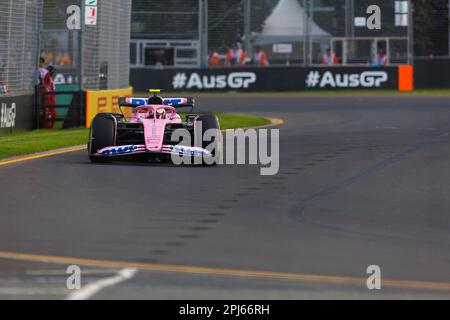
x=226, y=21
x=430, y=27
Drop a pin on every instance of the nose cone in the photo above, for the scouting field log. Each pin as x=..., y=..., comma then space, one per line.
x=154, y=133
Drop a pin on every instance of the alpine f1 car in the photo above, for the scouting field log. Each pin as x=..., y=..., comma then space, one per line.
x=147, y=132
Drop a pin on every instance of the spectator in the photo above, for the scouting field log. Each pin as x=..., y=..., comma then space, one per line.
x=47, y=56
x=214, y=59
x=235, y=56
x=260, y=57
x=328, y=58
x=42, y=71
x=48, y=113
x=382, y=59
x=63, y=59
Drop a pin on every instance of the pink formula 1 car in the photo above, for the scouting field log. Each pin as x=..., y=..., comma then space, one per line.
x=147, y=133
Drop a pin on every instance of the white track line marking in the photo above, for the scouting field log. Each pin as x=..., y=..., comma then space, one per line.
x=93, y=288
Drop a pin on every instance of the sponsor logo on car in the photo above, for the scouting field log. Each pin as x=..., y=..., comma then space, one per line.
x=328, y=79
x=8, y=115
x=138, y=101
x=112, y=151
x=187, y=151
x=234, y=80
x=153, y=140
x=167, y=101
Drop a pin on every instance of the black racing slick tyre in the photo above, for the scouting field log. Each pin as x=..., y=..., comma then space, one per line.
x=209, y=122
x=102, y=134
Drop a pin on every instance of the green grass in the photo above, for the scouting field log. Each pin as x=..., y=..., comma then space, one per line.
x=21, y=143
x=232, y=121
x=432, y=91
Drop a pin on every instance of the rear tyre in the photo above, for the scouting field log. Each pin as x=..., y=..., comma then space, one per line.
x=101, y=135
x=208, y=122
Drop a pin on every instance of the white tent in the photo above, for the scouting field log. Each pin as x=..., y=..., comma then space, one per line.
x=288, y=23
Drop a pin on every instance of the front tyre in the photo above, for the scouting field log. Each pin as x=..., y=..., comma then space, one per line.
x=101, y=135
x=208, y=122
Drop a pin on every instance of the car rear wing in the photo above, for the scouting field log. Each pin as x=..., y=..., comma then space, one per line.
x=173, y=102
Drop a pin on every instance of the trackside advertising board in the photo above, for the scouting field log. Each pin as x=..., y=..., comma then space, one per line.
x=16, y=113
x=218, y=79
x=275, y=78
x=104, y=101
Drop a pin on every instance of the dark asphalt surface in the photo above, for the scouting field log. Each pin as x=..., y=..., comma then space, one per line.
x=363, y=180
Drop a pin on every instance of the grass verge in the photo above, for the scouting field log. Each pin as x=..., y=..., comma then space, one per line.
x=21, y=143
x=232, y=121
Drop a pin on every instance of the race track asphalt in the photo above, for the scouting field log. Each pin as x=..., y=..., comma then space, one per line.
x=364, y=180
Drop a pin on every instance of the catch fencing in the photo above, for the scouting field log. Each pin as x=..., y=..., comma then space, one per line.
x=19, y=46
x=106, y=52
x=200, y=33
x=88, y=41
x=20, y=22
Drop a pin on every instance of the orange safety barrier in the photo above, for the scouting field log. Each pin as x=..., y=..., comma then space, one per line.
x=405, y=78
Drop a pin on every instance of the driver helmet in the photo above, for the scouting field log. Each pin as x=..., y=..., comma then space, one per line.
x=161, y=114
x=155, y=100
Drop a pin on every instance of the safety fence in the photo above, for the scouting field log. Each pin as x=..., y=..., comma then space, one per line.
x=88, y=41
x=224, y=33
x=19, y=51
x=19, y=45
x=96, y=51
x=106, y=47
